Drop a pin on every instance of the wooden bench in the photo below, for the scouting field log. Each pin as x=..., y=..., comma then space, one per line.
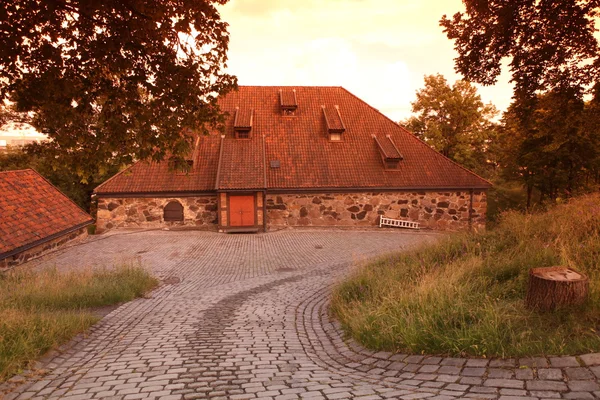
x=383, y=221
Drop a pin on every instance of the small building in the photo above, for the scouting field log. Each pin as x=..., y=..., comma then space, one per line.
x=297, y=156
x=35, y=217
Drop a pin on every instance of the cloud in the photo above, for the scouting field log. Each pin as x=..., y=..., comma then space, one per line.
x=378, y=49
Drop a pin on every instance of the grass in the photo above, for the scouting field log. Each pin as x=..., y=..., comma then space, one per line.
x=465, y=294
x=39, y=311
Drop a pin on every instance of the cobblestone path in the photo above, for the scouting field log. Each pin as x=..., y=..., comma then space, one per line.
x=245, y=317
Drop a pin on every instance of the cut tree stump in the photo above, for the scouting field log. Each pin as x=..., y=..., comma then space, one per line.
x=555, y=287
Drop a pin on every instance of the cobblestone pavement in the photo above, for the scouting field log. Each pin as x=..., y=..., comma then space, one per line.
x=245, y=317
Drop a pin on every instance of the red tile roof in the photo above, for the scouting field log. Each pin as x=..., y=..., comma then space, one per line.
x=33, y=211
x=333, y=119
x=388, y=147
x=243, y=119
x=300, y=142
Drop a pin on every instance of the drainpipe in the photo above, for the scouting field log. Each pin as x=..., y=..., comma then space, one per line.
x=264, y=183
x=471, y=209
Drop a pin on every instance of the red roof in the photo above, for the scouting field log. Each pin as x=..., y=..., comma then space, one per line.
x=300, y=142
x=33, y=211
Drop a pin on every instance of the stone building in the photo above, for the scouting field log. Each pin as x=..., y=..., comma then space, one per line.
x=297, y=156
x=35, y=217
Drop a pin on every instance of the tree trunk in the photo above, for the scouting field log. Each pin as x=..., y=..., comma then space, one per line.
x=555, y=287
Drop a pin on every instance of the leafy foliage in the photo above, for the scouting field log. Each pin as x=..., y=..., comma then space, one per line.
x=550, y=43
x=555, y=146
x=63, y=176
x=455, y=122
x=114, y=77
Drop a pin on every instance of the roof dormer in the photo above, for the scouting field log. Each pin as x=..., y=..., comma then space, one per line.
x=390, y=155
x=334, y=122
x=288, y=101
x=242, y=123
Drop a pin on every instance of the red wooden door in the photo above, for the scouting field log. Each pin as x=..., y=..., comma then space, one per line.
x=241, y=210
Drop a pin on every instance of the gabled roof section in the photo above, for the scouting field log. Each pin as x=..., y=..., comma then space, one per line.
x=243, y=119
x=288, y=99
x=156, y=177
x=33, y=211
x=333, y=119
x=388, y=148
x=307, y=158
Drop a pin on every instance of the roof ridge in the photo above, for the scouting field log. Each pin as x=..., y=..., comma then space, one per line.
x=18, y=170
x=116, y=175
x=289, y=86
x=419, y=140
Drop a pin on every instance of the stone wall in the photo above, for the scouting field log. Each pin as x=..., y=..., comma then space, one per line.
x=43, y=249
x=436, y=210
x=200, y=212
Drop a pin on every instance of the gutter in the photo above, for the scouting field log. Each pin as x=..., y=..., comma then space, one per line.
x=219, y=166
x=44, y=240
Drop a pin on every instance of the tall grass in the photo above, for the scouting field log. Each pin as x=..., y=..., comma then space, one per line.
x=465, y=294
x=39, y=311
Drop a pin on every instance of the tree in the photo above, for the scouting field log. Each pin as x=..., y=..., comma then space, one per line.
x=454, y=121
x=556, y=149
x=550, y=43
x=114, y=78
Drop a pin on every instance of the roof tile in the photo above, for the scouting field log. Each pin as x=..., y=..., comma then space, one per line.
x=31, y=209
x=307, y=158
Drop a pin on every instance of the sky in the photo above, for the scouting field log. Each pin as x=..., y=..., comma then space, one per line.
x=380, y=50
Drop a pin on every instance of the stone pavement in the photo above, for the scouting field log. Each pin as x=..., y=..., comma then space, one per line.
x=245, y=317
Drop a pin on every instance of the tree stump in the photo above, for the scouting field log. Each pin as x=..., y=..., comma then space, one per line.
x=555, y=287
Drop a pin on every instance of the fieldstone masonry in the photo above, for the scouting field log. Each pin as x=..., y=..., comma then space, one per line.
x=148, y=212
x=437, y=210
x=43, y=249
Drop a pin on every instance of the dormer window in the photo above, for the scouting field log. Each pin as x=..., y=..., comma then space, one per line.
x=390, y=155
x=242, y=124
x=334, y=122
x=288, y=102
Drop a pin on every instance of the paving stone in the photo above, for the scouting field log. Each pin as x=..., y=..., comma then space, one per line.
x=554, y=374
x=246, y=316
x=579, y=395
x=547, y=385
x=468, y=371
x=504, y=383
x=523, y=373
x=563, y=362
x=500, y=373
x=477, y=362
x=583, y=386
x=591, y=359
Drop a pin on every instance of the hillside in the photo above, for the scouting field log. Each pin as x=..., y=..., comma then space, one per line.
x=465, y=294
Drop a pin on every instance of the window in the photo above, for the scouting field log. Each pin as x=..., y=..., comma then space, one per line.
x=391, y=164
x=173, y=212
x=243, y=134
x=335, y=137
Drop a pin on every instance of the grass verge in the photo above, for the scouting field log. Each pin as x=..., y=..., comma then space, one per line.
x=465, y=294
x=41, y=310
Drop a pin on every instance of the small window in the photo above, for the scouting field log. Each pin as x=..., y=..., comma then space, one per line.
x=243, y=134
x=335, y=137
x=173, y=212
x=391, y=164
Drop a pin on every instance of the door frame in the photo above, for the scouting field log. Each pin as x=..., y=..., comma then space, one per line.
x=229, y=196
x=228, y=227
